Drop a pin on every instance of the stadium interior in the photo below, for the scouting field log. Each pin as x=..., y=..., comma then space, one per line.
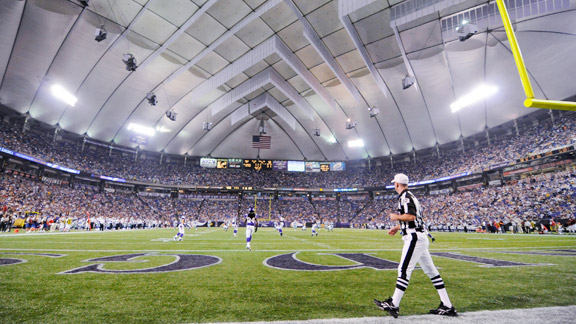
x=131, y=114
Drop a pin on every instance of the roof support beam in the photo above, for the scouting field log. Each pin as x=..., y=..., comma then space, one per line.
x=264, y=100
x=178, y=33
x=321, y=48
x=404, y=56
x=268, y=76
x=345, y=7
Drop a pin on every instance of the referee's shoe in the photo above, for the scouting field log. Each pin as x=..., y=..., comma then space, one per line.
x=387, y=305
x=444, y=310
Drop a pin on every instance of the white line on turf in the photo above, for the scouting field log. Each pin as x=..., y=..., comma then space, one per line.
x=555, y=315
x=292, y=250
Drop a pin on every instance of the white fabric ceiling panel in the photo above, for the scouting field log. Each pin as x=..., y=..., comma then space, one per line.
x=389, y=117
x=253, y=94
x=174, y=11
x=350, y=61
x=28, y=65
x=307, y=6
x=246, y=88
x=129, y=95
x=339, y=43
x=299, y=84
x=374, y=27
x=373, y=7
x=254, y=3
x=279, y=17
x=184, y=130
x=323, y=19
x=284, y=69
x=293, y=37
x=180, y=86
x=414, y=110
x=255, y=33
x=107, y=75
x=542, y=58
x=309, y=56
x=187, y=46
x=110, y=97
x=121, y=12
x=277, y=80
x=232, y=49
x=423, y=36
x=501, y=72
x=229, y=12
x=384, y=49
x=206, y=29
x=237, y=80
x=434, y=82
x=323, y=72
x=467, y=69
x=10, y=15
x=212, y=63
x=73, y=63
x=278, y=95
x=153, y=27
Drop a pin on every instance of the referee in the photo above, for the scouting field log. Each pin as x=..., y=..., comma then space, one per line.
x=415, y=250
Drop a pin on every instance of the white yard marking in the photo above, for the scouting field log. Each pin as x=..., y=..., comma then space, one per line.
x=556, y=315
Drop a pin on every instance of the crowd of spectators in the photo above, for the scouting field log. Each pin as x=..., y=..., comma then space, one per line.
x=514, y=205
x=547, y=200
x=125, y=164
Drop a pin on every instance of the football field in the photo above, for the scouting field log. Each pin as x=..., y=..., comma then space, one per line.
x=144, y=276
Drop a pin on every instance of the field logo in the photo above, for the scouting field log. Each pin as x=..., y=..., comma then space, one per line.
x=290, y=262
x=10, y=261
x=182, y=262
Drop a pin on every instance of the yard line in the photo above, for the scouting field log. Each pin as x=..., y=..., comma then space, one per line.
x=292, y=250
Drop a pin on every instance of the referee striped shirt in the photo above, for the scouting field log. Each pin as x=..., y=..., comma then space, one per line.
x=408, y=204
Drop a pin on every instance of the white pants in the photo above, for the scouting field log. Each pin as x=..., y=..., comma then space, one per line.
x=249, y=232
x=415, y=251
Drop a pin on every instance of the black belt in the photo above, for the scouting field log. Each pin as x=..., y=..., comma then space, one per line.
x=418, y=229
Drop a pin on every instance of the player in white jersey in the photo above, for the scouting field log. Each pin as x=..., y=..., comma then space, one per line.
x=180, y=234
x=304, y=226
x=225, y=226
x=235, y=225
x=280, y=225
x=315, y=228
x=251, y=227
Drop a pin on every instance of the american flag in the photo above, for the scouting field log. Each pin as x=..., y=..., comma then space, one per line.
x=261, y=142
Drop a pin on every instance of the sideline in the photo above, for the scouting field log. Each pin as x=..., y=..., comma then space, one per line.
x=556, y=315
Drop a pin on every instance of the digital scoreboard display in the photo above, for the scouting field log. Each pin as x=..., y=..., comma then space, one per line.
x=258, y=164
x=222, y=164
x=234, y=163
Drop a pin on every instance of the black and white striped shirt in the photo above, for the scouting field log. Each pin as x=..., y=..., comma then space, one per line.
x=408, y=204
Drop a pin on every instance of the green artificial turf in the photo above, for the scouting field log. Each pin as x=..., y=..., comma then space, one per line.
x=242, y=288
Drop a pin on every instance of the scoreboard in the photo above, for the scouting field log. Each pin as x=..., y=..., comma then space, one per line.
x=258, y=164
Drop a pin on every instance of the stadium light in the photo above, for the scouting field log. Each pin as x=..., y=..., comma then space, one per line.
x=59, y=92
x=141, y=129
x=356, y=143
x=482, y=92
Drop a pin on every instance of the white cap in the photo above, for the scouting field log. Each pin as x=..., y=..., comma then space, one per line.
x=400, y=178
